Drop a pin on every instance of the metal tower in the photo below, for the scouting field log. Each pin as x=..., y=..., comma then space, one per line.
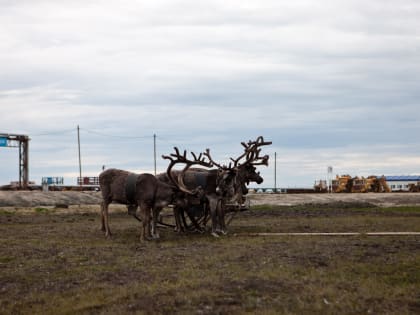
x=22, y=142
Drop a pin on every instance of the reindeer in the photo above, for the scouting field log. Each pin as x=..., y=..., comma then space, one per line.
x=144, y=191
x=219, y=186
x=246, y=170
x=212, y=195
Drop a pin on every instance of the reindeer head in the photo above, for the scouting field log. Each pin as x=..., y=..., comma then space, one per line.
x=226, y=177
x=250, y=158
x=232, y=179
x=250, y=174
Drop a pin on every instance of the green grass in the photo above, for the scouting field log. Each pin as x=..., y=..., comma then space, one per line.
x=62, y=264
x=42, y=210
x=7, y=212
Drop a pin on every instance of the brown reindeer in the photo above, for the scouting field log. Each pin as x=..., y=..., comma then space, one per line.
x=215, y=186
x=144, y=191
x=221, y=185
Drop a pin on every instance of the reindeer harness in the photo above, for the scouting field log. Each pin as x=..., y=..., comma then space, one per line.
x=130, y=189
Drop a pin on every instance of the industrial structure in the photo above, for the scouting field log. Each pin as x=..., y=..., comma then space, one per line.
x=341, y=183
x=21, y=142
x=349, y=184
x=403, y=183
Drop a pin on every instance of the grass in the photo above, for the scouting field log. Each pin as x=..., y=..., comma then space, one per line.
x=62, y=264
x=42, y=210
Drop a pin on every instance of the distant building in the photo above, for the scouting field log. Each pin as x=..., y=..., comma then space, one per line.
x=401, y=183
x=52, y=180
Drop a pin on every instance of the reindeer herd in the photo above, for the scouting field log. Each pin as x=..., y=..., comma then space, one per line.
x=199, y=193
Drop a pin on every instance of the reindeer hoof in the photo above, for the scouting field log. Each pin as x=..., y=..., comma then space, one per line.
x=224, y=232
x=214, y=234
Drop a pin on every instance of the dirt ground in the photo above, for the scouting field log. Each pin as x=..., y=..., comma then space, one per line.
x=55, y=260
x=53, y=198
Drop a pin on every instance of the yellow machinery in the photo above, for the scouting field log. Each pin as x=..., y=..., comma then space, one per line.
x=342, y=183
x=370, y=184
x=346, y=183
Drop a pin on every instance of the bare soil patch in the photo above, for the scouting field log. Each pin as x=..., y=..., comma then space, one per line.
x=50, y=198
x=377, y=199
x=54, y=198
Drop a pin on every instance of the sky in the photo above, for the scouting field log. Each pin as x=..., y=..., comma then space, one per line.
x=330, y=83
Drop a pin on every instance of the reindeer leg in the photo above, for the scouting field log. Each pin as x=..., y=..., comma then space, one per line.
x=184, y=220
x=102, y=217
x=106, y=219
x=206, y=217
x=213, y=212
x=155, y=216
x=145, y=218
x=177, y=214
x=144, y=224
x=221, y=215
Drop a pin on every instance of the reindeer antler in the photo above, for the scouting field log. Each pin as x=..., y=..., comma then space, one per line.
x=252, y=153
x=224, y=167
x=177, y=158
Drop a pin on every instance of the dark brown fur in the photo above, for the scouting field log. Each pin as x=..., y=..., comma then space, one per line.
x=151, y=196
x=219, y=187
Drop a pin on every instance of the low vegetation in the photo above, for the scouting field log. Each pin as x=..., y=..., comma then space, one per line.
x=59, y=262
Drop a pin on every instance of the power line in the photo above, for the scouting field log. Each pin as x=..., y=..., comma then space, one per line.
x=114, y=135
x=80, y=159
x=169, y=142
x=58, y=132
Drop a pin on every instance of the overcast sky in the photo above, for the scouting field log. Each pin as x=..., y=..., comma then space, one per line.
x=329, y=82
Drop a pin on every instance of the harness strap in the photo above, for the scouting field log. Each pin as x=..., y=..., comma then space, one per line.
x=130, y=188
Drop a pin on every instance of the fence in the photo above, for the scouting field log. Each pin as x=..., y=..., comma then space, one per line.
x=88, y=181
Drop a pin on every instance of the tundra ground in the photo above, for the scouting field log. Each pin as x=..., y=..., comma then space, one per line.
x=57, y=261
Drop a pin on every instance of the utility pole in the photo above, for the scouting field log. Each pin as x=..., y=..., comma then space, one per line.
x=24, y=162
x=275, y=172
x=154, y=150
x=80, y=159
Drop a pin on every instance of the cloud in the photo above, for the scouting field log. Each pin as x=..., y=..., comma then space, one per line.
x=328, y=82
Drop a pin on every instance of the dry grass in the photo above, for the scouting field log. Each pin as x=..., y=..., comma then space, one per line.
x=54, y=262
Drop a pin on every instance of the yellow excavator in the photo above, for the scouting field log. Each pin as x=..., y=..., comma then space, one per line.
x=381, y=185
x=370, y=184
x=342, y=183
x=346, y=183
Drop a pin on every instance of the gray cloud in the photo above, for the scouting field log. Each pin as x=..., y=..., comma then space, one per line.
x=330, y=82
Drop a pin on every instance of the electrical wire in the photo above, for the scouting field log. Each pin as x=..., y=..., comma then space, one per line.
x=169, y=142
x=54, y=133
x=115, y=136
